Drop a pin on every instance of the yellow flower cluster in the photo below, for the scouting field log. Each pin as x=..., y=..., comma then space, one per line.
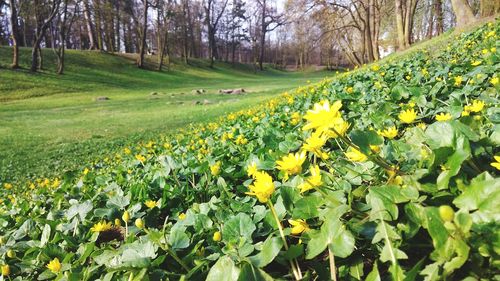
x=262, y=187
x=407, y=116
x=476, y=106
x=314, y=180
x=101, y=226
x=215, y=168
x=291, y=164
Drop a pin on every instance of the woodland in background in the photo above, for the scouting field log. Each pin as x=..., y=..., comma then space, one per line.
x=301, y=33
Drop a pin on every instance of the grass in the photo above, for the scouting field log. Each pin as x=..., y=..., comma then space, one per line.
x=50, y=123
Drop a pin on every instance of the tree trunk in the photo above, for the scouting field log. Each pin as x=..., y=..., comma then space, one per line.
x=15, y=34
x=263, y=31
x=438, y=12
x=488, y=7
x=90, y=27
x=36, y=52
x=118, y=20
x=98, y=24
x=400, y=25
x=142, y=51
x=463, y=12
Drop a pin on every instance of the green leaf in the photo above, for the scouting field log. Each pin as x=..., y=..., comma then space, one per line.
x=45, y=235
x=178, y=238
x=454, y=163
x=223, y=270
x=270, y=249
x=251, y=273
x=363, y=139
x=416, y=269
x=334, y=235
x=374, y=275
x=462, y=253
x=482, y=195
x=435, y=227
x=431, y=272
x=356, y=270
x=389, y=253
x=440, y=134
x=307, y=207
x=238, y=226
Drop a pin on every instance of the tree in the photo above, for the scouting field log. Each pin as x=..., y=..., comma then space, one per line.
x=405, y=11
x=213, y=13
x=269, y=21
x=42, y=23
x=63, y=27
x=463, y=12
x=15, y=33
x=142, y=48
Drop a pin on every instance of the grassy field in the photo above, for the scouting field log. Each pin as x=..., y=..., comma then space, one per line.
x=52, y=122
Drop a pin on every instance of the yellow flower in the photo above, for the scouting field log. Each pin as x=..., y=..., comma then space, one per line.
x=101, y=226
x=118, y=222
x=422, y=125
x=182, y=216
x=217, y=236
x=407, y=116
x=139, y=223
x=292, y=163
x=150, y=204
x=375, y=148
x=56, y=183
x=5, y=270
x=141, y=158
x=408, y=77
x=355, y=155
x=494, y=81
x=476, y=63
x=476, y=106
x=314, y=180
x=262, y=187
x=252, y=169
x=7, y=185
x=126, y=216
x=54, y=265
x=441, y=117
x=295, y=118
x=390, y=132
x=458, y=80
x=127, y=150
x=497, y=163
x=425, y=72
x=349, y=90
x=298, y=226
x=323, y=116
x=315, y=142
x=375, y=68
x=85, y=171
x=465, y=112
x=215, y=168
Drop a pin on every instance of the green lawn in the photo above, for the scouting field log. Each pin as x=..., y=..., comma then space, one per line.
x=50, y=123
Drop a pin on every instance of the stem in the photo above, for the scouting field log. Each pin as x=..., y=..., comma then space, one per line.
x=177, y=259
x=126, y=229
x=333, y=269
x=296, y=274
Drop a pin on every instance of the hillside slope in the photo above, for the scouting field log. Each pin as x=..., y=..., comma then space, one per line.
x=384, y=173
x=58, y=121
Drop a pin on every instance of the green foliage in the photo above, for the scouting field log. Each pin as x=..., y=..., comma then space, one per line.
x=374, y=219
